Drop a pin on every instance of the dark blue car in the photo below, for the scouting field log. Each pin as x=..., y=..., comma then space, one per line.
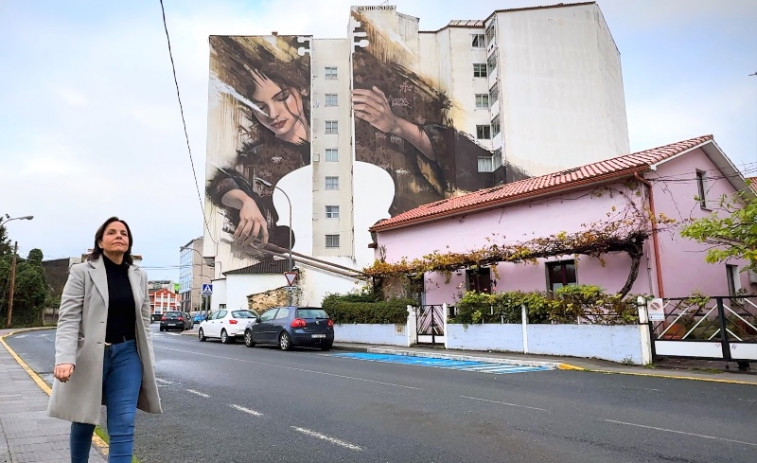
x=290, y=327
x=199, y=316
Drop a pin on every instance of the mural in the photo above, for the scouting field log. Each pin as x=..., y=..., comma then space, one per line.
x=260, y=94
x=402, y=122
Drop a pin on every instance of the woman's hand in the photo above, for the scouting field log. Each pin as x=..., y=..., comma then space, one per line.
x=63, y=372
x=373, y=107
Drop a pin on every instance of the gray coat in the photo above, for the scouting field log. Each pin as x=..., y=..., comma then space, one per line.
x=80, y=339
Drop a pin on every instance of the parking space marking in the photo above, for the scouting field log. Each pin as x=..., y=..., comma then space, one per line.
x=246, y=410
x=201, y=394
x=465, y=365
x=333, y=440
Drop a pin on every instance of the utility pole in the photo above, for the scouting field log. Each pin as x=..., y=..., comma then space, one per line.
x=13, y=284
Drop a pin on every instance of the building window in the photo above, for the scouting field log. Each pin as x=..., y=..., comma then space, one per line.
x=479, y=280
x=332, y=241
x=490, y=33
x=561, y=274
x=497, y=159
x=332, y=183
x=330, y=73
x=734, y=282
x=478, y=41
x=483, y=132
x=494, y=93
x=479, y=70
x=702, y=189
x=332, y=212
x=331, y=99
x=482, y=100
x=491, y=62
x=332, y=127
x=495, y=127
x=332, y=155
x=485, y=164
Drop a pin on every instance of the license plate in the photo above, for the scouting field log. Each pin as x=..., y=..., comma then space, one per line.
x=172, y=324
x=318, y=335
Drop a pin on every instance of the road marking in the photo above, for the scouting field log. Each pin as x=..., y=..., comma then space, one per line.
x=163, y=381
x=352, y=378
x=333, y=440
x=246, y=410
x=703, y=436
x=504, y=403
x=201, y=394
x=450, y=364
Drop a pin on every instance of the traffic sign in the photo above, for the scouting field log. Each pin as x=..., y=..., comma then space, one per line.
x=291, y=276
x=207, y=289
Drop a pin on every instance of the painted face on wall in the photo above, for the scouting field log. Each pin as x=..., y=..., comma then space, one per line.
x=280, y=110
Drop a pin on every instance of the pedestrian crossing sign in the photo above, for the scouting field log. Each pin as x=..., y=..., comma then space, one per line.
x=207, y=289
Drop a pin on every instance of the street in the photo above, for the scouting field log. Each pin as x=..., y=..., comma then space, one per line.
x=234, y=404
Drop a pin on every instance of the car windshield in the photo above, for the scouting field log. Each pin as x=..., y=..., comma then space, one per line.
x=173, y=314
x=311, y=313
x=242, y=314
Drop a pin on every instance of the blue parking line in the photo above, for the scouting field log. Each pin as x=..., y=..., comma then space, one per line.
x=464, y=365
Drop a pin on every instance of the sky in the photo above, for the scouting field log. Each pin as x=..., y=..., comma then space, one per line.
x=90, y=124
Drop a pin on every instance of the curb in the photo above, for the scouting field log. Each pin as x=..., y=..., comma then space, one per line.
x=470, y=358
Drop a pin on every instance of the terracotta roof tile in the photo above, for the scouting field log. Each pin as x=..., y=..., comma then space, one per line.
x=536, y=186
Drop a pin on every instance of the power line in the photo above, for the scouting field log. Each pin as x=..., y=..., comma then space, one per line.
x=183, y=120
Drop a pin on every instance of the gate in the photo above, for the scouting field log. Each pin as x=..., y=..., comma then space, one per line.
x=712, y=328
x=430, y=324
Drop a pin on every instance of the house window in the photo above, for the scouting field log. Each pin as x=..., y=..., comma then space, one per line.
x=491, y=62
x=478, y=41
x=329, y=72
x=331, y=99
x=332, y=127
x=332, y=183
x=332, y=212
x=490, y=33
x=702, y=189
x=734, y=282
x=495, y=126
x=485, y=164
x=332, y=241
x=479, y=69
x=479, y=280
x=482, y=100
x=483, y=132
x=332, y=155
x=561, y=274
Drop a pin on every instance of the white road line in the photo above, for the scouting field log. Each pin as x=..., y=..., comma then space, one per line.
x=246, y=410
x=333, y=440
x=163, y=381
x=201, y=394
x=703, y=436
x=505, y=403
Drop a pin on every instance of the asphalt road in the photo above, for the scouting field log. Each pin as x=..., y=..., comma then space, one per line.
x=228, y=403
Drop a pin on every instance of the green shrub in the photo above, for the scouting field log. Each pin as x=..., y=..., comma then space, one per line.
x=364, y=308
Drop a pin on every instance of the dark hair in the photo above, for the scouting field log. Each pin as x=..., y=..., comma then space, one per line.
x=100, y=233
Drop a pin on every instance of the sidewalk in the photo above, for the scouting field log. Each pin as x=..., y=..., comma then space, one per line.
x=27, y=434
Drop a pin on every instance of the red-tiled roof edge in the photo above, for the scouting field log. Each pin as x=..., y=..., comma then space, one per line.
x=563, y=183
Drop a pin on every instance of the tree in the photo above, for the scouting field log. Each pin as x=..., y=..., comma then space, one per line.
x=732, y=236
x=30, y=289
x=5, y=242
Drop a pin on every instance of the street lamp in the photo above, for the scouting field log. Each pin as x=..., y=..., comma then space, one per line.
x=202, y=272
x=269, y=184
x=8, y=218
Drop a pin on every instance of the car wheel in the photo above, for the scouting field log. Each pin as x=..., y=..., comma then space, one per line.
x=161, y=328
x=326, y=346
x=201, y=335
x=285, y=342
x=225, y=338
x=248, y=340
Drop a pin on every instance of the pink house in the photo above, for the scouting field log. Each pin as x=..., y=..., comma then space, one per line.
x=640, y=198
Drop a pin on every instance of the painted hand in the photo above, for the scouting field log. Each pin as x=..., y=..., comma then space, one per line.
x=373, y=107
x=253, y=227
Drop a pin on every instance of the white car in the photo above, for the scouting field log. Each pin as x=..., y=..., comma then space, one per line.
x=226, y=325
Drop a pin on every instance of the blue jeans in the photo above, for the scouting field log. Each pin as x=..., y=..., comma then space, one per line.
x=122, y=379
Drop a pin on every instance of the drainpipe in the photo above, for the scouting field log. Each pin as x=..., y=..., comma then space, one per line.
x=655, y=240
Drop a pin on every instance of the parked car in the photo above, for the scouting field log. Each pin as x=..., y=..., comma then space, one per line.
x=177, y=320
x=156, y=316
x=226, y=325
x=291, y=326
x=199, y=317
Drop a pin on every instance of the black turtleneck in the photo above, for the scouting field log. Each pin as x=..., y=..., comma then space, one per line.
x=122, y=316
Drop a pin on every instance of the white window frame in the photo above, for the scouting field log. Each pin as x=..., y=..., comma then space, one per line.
x=331, y=99
x=479, y=70
x=702, y=188
x=478, y=40
x=331, y=154
x=331, y=183
x=332, y=127
x=332, y=241
x=330, y=72
x=483, y=132
x=332, y=212
x=482, y=100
